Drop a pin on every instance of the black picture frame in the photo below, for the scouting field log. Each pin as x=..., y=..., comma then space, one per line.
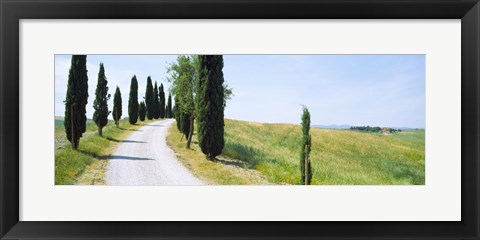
x=12, y=11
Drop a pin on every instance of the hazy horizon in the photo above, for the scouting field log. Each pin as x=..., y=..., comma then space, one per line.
x=355, y=90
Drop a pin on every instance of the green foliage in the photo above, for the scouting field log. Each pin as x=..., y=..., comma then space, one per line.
x=100, y=104
x=76, y=100
x=374, y=129
x=182, y=76
x=168, y=110
x=185, y=121
x=133, y=101
x=162, y=101
x=177, y=114
x=149, y=100
x=210, y=105
x=142, y=111
x=306, y=147
x=156, y=103
x=227, y=94
x=117, y=106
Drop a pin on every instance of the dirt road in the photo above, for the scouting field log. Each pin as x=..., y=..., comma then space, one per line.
x=144, y=159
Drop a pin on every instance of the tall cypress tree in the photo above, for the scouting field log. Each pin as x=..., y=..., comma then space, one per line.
x=100, y=116
x=162, y=101
x=117, y=107
x=149, y=99
x=186, y=120
x=75, y=121
x=133, y=101
x=142, y=111
x=168, y=110
x=156, y=103
x=306, y=147
x=210, y=102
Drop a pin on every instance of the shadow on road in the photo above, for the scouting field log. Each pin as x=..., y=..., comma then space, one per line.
x=155, y=125
x=120, y=157
x=124, y=141
x=133, y=130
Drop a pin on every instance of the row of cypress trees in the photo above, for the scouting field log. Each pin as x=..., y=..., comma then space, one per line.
x=155, y=104
x=77, y=98
x=200, y=94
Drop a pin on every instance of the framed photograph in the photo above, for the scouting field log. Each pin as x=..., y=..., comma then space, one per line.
x=239, y=119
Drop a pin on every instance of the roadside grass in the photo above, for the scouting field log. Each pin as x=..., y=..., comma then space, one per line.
x=87, y=165
x=224, y=171
x=339, y=157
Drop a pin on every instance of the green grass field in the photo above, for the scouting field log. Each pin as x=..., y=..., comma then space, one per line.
x=339, y=157
x=92, y=153
x=224, y=171
x=260, y=153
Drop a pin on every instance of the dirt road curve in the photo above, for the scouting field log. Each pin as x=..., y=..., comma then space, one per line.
x=144, y=159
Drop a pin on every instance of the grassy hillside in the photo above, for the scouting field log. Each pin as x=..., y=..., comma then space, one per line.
x=339, y=157
x=87, y=164
x=225, y=171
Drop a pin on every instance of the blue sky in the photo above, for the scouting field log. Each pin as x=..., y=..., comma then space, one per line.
x=375, y=90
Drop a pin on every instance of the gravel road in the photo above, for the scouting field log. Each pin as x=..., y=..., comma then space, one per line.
x=144, y=159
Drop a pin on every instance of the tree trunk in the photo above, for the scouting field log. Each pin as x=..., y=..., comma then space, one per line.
x=190, y=134
x=209, y=157
x=100, y=132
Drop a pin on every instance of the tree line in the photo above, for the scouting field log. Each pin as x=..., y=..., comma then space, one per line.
x=153, y=107
x=200, y=96
x=375, y=129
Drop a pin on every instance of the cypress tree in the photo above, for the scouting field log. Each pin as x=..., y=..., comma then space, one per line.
x=168, y=110
x=75, y=120
x=149, y=99
x=210, y=102
x=117, y=107
x=100, y=116
x=305, y=169
x=133, y=101
x=177, y=114
x=162, y=101
x=186, y=118
x=156, y=103
x=142, y=111
x=174, y=111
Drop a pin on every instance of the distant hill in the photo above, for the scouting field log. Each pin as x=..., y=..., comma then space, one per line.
x=344, y=126
x=405, y=128
x=59, y=120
